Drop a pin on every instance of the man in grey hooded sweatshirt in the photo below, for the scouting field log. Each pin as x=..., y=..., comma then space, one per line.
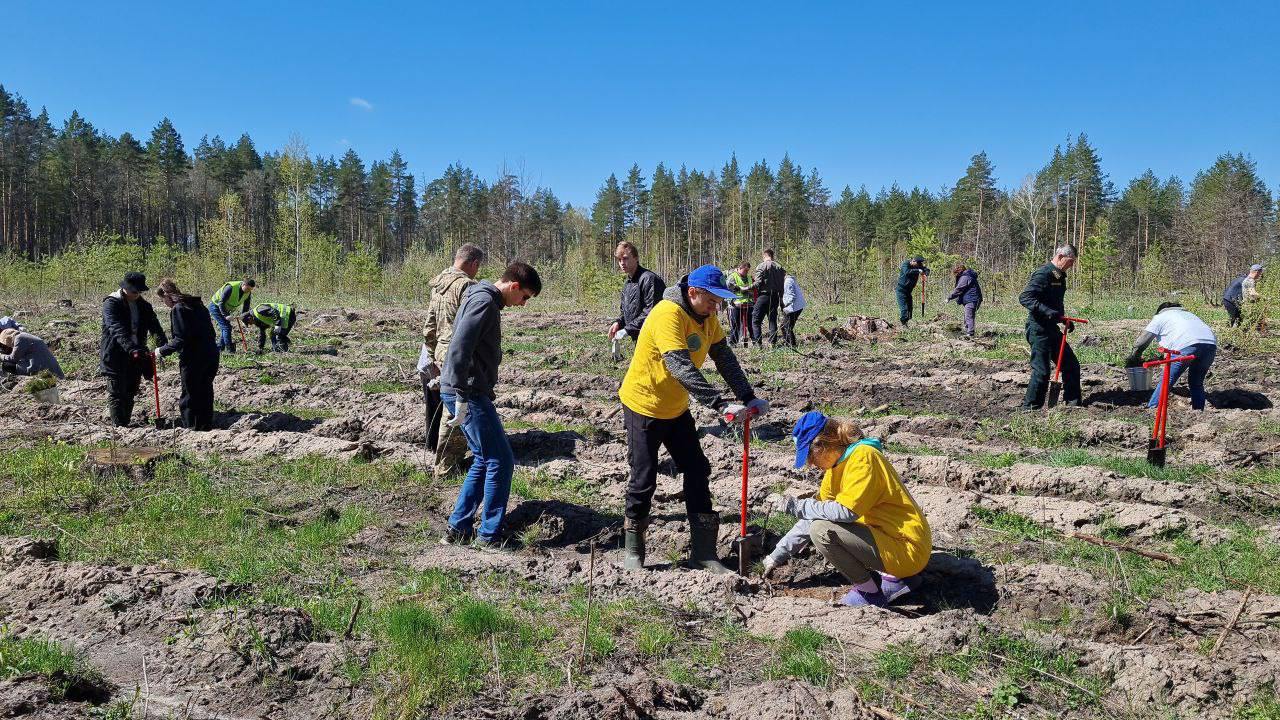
x=466, y=388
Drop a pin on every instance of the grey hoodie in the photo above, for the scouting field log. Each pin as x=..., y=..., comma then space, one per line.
x=471, y=364
x=31, y=356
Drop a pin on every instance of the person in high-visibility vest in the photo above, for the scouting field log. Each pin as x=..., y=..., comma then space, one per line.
x=277, y=316
x=223, y=305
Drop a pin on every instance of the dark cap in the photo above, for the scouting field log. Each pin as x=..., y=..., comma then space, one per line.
x=134, y=282
x=919, y=259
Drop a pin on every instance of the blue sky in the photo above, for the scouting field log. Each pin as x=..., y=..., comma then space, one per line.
x=869, y=93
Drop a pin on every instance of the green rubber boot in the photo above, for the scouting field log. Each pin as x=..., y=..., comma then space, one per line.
x=633, y=532
x=703, y=531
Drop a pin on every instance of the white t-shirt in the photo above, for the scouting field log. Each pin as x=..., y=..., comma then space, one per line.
x=1178, y=329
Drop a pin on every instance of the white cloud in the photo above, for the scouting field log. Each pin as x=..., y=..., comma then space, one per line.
x=362, y=103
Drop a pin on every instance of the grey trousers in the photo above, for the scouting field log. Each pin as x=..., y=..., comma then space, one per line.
x=849, y=547
x=970, y=317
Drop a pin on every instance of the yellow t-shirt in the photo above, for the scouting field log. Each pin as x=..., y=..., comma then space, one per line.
x=868, y=485
x=649, y=388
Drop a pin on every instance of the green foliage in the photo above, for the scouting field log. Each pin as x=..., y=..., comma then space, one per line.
x=1266, y=707
x=1020, y=526
x=897, y=661
x=36, y=656
x=1129, y=466
x=42, y=381
x=539, y=484
x=799, y=655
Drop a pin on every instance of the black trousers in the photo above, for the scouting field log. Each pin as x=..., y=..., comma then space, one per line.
x=122, y=388
x=1233, y=311
x=789, y=321
x=196, y=403
x=1044, y=342
x=680, y=437
x=431, y=396
x=906, y=304
x=766, y=304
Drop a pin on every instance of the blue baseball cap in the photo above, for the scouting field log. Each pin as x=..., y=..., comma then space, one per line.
x=805, y=432
x=709, y=278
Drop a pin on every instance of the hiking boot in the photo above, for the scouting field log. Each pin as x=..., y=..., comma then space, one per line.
x=633, y=532
x=893, y=589
x=703, y=531
x=857, y=598
x=1073, y=404
x=493, y=544
x=454, y=536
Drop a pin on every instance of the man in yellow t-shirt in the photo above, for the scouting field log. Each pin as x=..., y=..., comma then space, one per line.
x=680, y=333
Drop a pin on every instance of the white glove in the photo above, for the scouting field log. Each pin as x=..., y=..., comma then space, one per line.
x=734, y=412
x=433, y=383
x=769, y=566
x=759, y=405
x=459, y=414
x=777, y=502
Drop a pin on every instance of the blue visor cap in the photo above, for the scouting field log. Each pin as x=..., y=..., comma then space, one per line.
x=709, y=278
x=805, y=432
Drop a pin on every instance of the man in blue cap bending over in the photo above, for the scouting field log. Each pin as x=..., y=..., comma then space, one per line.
x=680, y=333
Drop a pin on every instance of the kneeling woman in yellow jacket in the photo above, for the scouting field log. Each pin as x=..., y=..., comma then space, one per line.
x=864, y=522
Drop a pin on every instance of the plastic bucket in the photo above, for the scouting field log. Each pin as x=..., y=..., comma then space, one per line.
x=1139, y=378
x=47, y=396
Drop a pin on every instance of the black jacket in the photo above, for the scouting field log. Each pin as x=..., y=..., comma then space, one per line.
x=119, y=340
x=640, y=293
x=193, y=337
x=471, y=365
x=1044, y=295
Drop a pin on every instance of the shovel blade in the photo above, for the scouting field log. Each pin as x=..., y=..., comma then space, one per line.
x=747, y=548
x=1156, y=454
x=1055, y=391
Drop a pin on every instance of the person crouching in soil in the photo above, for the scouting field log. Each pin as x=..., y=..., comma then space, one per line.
x=864, y=521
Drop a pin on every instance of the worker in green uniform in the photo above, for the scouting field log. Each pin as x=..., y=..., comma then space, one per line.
x=1043, y=299
x=743, y=287
x=235, y=294
x=276, y=316
x=908, y=275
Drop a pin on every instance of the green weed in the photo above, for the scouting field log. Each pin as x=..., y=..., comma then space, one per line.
x=897, y=661
x=541, y=485
x=1263, y=708
x=1128, y=466
x=1016, y=524
x=36, y=656
x=798, y=655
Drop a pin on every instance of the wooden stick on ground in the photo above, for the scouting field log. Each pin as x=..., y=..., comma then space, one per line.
x=1232, y=622
x=591, y=586
x=1094, y=539
x=351, y=621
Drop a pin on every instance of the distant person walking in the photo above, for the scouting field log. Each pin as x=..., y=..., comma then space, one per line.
x=1044, y=299
x=743, y=287
x=22, y=353
x=466, y=387
x=197, y=348
x=1243, y=289
x=908, y=275
x=641, y=290
x=967, y=294
x=231, y=299
x=123, y=359
x=769, y=279
x=793, y=303
x=276, y=317
x=447, y=291
x=1179, y=330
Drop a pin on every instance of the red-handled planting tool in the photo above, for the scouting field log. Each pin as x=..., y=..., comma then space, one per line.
x=1157, y=447
x=155, y=386
x=1055, y=387
x=747, y=544
x=243, y=342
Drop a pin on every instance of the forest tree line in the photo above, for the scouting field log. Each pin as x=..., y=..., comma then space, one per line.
x=315, y=220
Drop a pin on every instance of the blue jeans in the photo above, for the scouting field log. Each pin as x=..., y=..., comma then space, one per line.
x=1199, y=367
x=489, y=478
x=224, y=327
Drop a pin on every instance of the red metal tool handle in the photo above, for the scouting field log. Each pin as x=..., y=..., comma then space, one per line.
x=1062, y=347
x=1074, y=320
x=746, y=461
x=155, y=382
x=243, y=342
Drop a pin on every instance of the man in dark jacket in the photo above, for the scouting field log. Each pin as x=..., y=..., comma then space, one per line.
x=967, y=294
x=641, y=291
x=198, y=354
x=466, y=387
x=908, y=275
x=1044, y=300
x=127, y=319
x=770, y=278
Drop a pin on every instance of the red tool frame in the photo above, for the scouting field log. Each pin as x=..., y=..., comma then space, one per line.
x=1156, y=448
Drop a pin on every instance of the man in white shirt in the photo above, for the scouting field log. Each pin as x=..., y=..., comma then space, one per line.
x=1181, y=331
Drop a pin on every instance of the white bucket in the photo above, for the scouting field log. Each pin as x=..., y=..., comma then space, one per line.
x=1140, y=378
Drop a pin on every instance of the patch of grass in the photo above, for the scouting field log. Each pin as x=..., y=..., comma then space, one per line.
x=994, y=461
x=1016, y=524
x=36, y=656
x=799, y=655
x=897, y=661
x=586, y=430
x=911, y=449
x=1263, y=708
x=541, y=485
x=1027, y=664
x=1128, y=466
x=654, y=639
x=1265, y=476
x=383, y=387
x=1033, y=429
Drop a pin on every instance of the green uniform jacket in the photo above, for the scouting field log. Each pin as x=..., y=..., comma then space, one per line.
x=1044, y=295
x=909, y=276
x=231, y=295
